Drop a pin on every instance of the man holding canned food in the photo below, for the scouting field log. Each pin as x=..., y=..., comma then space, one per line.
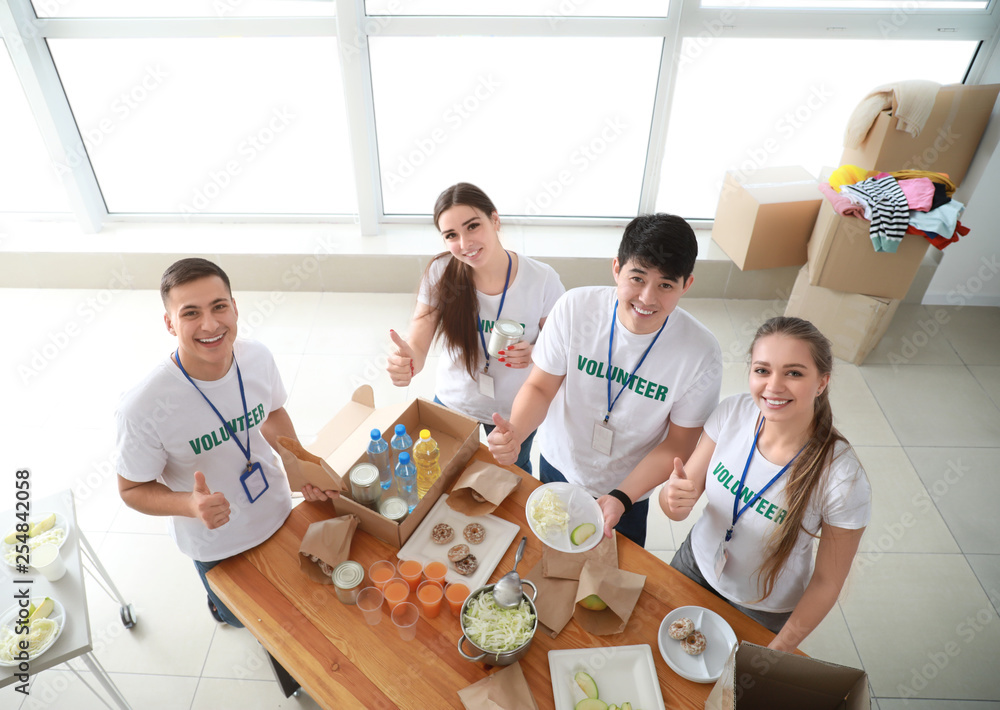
x=623, y=379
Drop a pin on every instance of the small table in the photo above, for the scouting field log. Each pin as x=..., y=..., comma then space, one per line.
x=69, y=591
x=344, y=663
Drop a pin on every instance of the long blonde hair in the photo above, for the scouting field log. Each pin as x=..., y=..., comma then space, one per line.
x=803, y=479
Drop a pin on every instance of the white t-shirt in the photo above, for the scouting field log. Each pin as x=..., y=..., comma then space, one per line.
x=167, y=431
x=843, y=501
x=532, y=292
x=680, y=379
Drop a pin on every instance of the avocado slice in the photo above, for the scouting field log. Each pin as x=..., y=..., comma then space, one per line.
x=587, y=684
x=581, y=533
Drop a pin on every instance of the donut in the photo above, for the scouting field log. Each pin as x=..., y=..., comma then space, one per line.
x=458, y=552
x=694, y=644
x=476, y=497
x=442, y=533
x=681, y=629
x=474, y=533
x=467, y=565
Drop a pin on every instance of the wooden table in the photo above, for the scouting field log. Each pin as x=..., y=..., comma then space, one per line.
x=344, y=663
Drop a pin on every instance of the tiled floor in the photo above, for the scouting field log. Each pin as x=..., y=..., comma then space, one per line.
x=919, y=612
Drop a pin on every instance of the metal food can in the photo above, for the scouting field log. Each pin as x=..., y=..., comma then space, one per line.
x=505, y=333
x=394, y=508
x=347, y=578
x=365, y=487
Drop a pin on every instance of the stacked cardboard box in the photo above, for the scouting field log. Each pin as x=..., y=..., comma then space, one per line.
x=844, y=274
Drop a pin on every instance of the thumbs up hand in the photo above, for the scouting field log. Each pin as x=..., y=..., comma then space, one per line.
x=678, y=492
x=502, y=442
x=211, y=508
x=400, y=367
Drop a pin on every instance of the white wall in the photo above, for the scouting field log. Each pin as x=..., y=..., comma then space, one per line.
x=969, y=273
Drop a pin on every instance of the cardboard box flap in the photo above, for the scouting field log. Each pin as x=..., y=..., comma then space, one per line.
x=800, y=681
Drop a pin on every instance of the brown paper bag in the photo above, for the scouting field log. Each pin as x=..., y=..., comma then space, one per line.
x=507, y=689
x=618, y=589
x=554, y=601
x=303, y=467
x=568, y=565
x=481, y=488
x=325, y=545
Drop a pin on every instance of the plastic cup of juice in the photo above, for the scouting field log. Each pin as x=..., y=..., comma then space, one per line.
x=429, y=596
x=405, y=616
x=381, y=572
x=456, y=594
x=396, y=591
x=435, y=572
x=412, y=571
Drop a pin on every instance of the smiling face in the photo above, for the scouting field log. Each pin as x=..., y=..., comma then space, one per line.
x=202, y=314
x=784, y=379
x=470, y=235
x=645, y=296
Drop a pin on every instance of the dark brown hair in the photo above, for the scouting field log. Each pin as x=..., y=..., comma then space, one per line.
x=806, y=474
x=187, y=270
x=454, y=294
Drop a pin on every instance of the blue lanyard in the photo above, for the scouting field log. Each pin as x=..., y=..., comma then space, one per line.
x=479, y=322
x=611, y=342
x=232, y=434
x=739, y=488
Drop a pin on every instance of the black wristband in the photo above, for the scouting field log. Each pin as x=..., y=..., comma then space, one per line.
x=625, y=500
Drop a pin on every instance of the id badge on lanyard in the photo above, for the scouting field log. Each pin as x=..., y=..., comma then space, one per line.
x=254, y=481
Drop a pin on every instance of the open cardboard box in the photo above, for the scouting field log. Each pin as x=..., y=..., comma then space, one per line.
x=764, y=219
x=344, y=440
x=854, y=323
x=946, y=144
x=758, y=678
x=842, y=258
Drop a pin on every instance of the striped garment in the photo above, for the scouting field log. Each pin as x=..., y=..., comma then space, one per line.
x=889, y=210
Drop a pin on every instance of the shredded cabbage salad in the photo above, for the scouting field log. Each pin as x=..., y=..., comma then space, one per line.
x=54, y=536
x=495, y=629
x=549, y=513
x=40, y=635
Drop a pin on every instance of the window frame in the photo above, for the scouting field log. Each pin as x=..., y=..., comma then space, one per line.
x=26, y=38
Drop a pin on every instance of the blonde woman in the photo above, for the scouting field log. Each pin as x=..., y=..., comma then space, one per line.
x=777, y=475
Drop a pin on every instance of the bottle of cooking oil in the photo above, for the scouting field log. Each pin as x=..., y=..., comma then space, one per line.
x=426, y=455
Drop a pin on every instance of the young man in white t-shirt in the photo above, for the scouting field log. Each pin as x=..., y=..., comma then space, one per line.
x=195, y=437
x=623, y=379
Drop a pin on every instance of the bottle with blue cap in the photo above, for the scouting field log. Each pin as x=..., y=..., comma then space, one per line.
x=406, y=480
x=378, y=454
x=401, y=442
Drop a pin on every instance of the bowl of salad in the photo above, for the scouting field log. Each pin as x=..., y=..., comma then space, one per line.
x=499, y=636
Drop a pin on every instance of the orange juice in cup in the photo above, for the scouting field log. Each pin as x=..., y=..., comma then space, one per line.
x=396, y=592
x=456, y=595
x=435, y=571
x=429, y=597
x=411, y=571
x=381, y=572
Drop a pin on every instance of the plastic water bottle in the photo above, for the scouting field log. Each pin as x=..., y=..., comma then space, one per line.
x=378, y=454
x=406, y=480
x=401, y=442
x=426, y=454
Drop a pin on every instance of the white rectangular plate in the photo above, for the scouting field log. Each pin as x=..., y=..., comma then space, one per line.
x=622, y=673
x=499, y=534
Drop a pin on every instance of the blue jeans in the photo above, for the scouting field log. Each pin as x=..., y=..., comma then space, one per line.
x=223, y=610
x=523, y=457
x=632, y=525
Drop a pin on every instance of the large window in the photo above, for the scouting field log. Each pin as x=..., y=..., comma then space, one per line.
x=745, y=104
x=547, y=126
x=183, y=8
x=203, y=126
x=28, y=182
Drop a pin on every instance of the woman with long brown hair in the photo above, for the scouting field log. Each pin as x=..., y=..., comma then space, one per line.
x=464, y=291
x=777, y=475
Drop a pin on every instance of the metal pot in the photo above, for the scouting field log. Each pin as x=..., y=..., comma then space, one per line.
x=506, y=657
